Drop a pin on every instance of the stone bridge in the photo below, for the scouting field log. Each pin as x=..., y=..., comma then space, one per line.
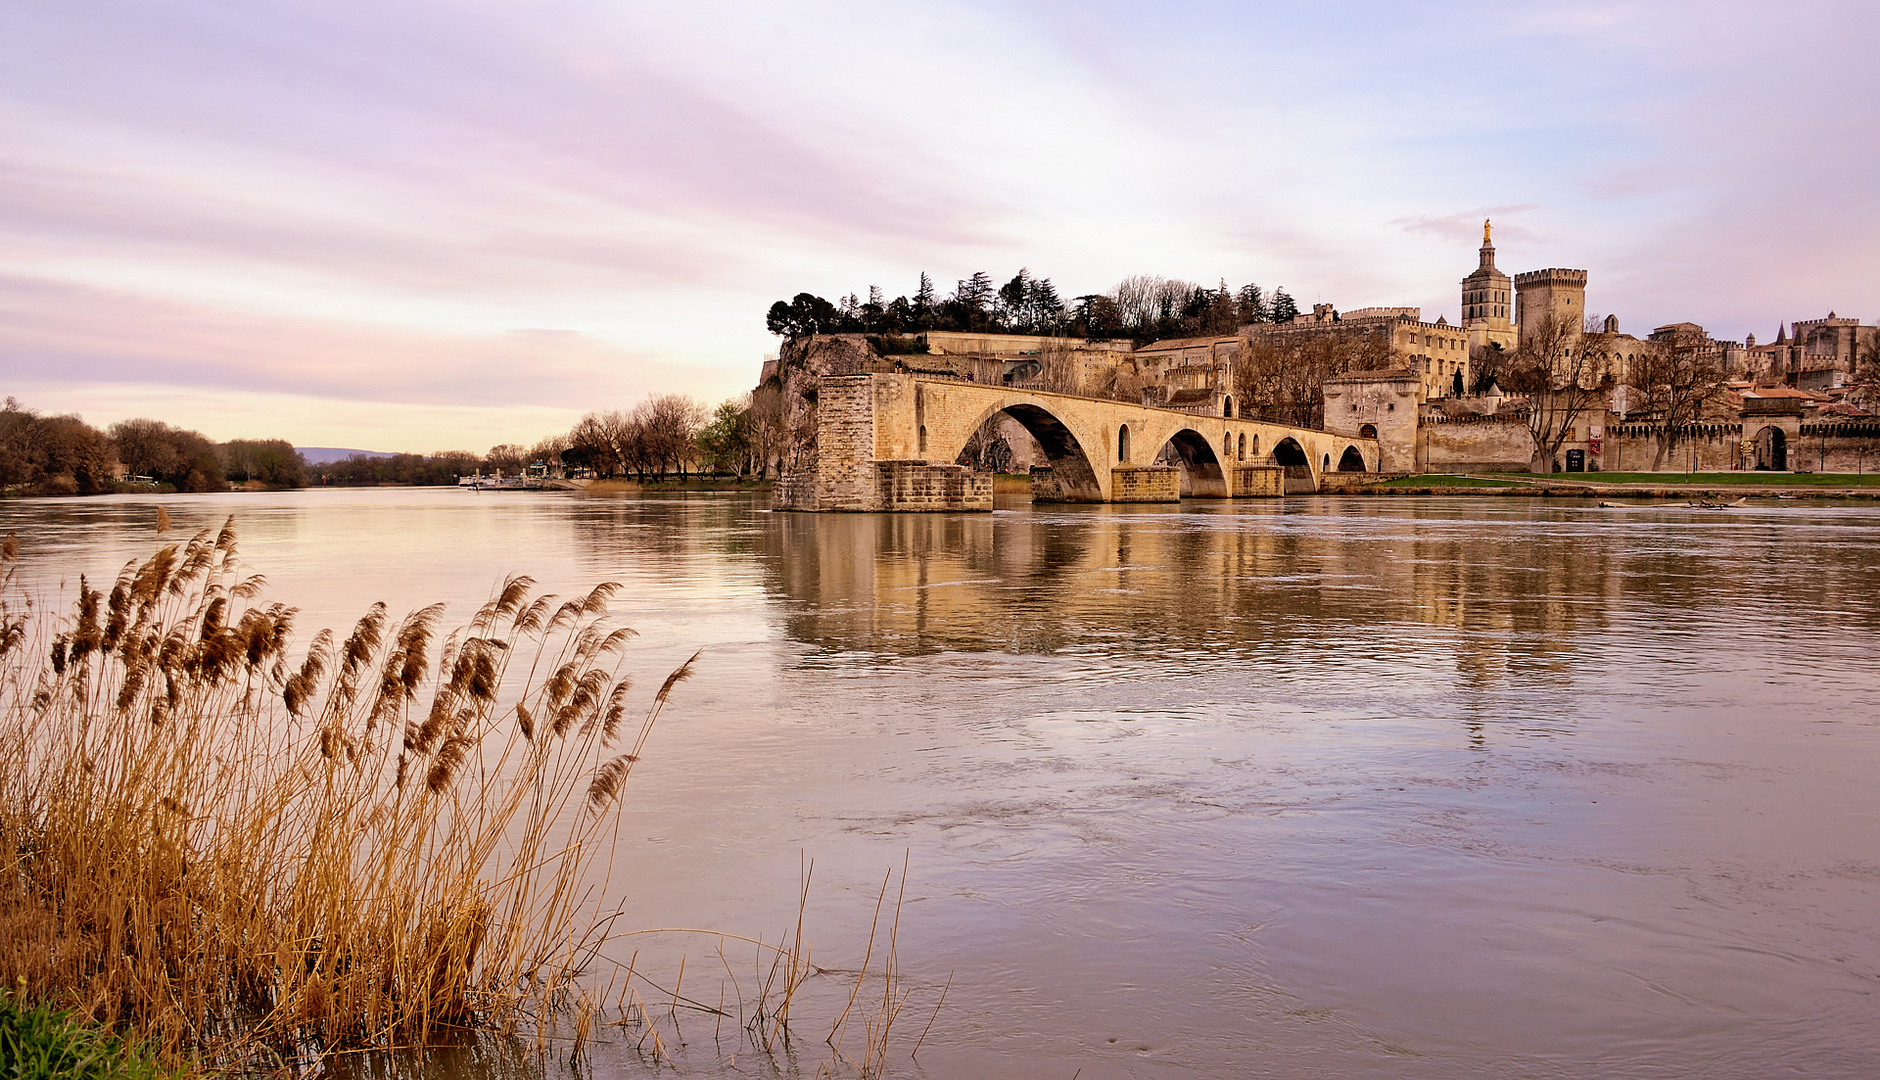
x=891, y=442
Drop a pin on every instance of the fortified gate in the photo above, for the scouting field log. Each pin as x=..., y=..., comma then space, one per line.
x=890, y=442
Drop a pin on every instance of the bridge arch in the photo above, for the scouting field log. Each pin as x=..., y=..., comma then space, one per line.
x=1351, y=461
x=1072, y=466
x=1299, y=476
x=1202, y=474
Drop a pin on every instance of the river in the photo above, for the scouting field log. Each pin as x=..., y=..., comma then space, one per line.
x=1364, y=787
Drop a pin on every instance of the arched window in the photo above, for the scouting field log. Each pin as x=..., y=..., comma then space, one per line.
x=1122, y=443
x=1227, y=407
x=1242, y=455
x=1326, y=467
x=923, y=438
x=1368, y=431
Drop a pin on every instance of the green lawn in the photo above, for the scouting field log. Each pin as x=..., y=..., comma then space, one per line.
x=1775, y=479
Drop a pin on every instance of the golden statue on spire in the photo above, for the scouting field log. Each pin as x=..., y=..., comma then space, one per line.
x=1484, y=230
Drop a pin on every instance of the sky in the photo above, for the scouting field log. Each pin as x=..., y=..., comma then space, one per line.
x=448, y=224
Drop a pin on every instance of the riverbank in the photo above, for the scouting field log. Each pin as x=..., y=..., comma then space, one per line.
x=631, y=487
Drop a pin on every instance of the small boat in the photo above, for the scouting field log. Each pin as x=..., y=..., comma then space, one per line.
x=1612, y=506
x=1706, y=504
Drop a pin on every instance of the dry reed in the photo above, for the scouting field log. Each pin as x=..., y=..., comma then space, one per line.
x=250, y=861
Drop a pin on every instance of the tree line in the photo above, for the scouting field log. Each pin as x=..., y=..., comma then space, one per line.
x=665, y=435
x=1142, y=307
x=63, y=455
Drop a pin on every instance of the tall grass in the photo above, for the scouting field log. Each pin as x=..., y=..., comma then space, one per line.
x=246, y=853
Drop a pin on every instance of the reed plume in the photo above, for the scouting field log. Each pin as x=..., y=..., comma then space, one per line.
x=205, y=839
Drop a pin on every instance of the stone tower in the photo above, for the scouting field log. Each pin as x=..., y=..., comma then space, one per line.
x=1553, y=292
x=1486, y=298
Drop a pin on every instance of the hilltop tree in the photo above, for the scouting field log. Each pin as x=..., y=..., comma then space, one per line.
x=1251, y=305
x=807, y=314
x=1283, y=308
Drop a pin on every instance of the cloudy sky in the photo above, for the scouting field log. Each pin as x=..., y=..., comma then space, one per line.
x=426, y=225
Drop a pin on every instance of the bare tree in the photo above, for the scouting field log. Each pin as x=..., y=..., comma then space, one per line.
x=770, y=433
x=1679, y=375
x=1279, y=376
x=506, y=458
x=1867, y=370
x=1059, y=368
x=1562, y=370
x=548, y=451
x=669, y=427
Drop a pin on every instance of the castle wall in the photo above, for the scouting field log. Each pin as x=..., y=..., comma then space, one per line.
x=1475, y=444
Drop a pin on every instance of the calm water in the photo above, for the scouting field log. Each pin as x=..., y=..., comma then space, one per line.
x=1345, y=788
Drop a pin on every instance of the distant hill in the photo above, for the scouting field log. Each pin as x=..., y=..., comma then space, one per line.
x=326, y=455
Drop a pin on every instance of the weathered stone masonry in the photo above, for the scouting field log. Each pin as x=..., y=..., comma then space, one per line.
x=888, y=442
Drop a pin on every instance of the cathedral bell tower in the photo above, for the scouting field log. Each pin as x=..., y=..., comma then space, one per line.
x=1487, y=302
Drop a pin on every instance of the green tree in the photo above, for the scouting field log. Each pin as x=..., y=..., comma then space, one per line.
x=1251, y=304
x=926, y=304
x=1283, y=309
x=807, y=314
x=725, y=443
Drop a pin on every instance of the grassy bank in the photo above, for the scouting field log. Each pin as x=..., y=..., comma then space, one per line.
x=39, y=1041
x=1707, y=479
x=1624, y=485
x=247, y=861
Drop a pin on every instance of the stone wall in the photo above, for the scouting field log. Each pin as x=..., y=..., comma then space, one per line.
x=1045, y=486
x=1849, y=446
x=1467, y=444
x=918, y=486
x=1146, y=484
x=1259, y=481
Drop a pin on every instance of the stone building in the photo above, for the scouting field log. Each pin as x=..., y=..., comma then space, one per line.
x=1817, y=354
